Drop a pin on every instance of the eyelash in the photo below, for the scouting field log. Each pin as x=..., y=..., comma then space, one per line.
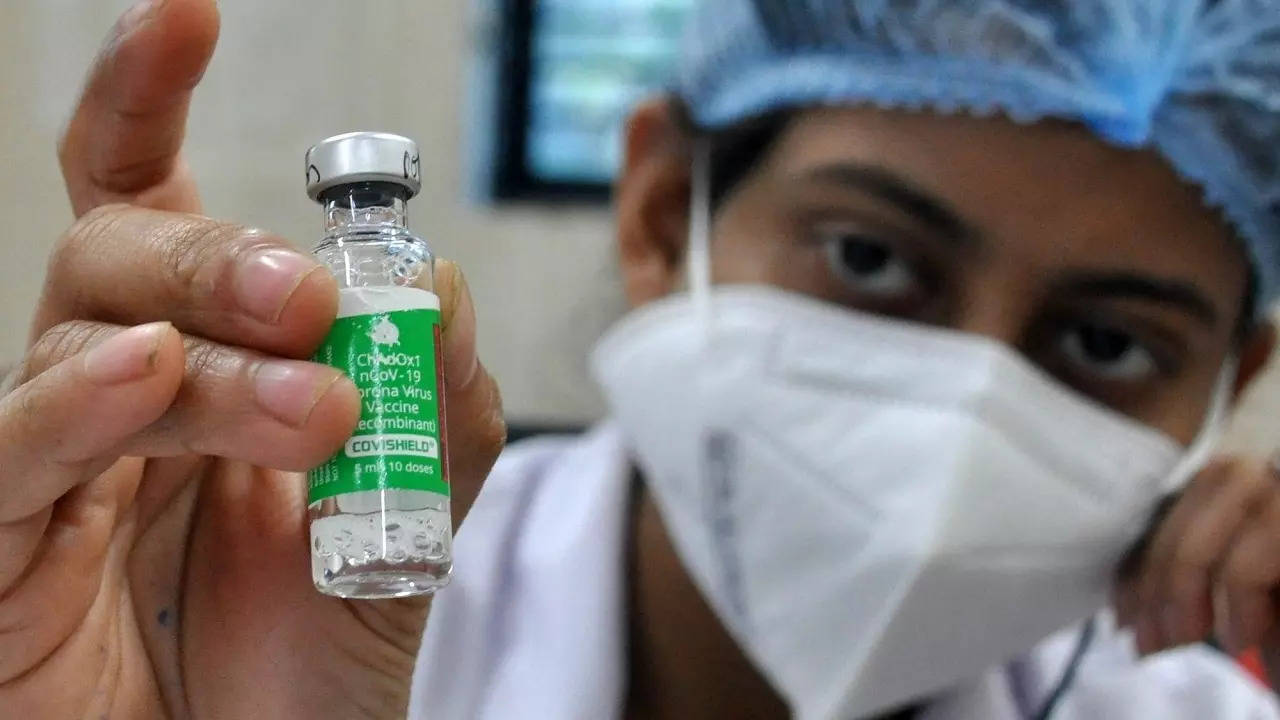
x=1163, y=361
x=908, y=277
x=1060, y=347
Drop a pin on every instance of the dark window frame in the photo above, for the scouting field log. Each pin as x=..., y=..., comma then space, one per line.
x=512, y=178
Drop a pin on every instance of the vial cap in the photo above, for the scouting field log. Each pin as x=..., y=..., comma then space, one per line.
x=363, y=157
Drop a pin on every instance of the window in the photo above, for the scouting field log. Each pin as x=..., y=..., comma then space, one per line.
x=569, y=71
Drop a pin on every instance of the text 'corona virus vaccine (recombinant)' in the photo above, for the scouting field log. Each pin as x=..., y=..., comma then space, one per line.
x=379, y=509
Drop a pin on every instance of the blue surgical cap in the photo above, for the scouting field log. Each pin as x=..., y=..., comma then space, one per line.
x=1196, y=80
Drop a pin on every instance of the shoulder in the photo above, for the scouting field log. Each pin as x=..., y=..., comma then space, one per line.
x=531, y=467
x=536, y=577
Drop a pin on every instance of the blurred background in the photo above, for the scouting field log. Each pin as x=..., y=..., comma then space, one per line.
x=517, y=105
x=533, y=234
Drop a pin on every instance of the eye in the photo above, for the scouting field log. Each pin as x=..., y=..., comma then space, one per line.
x=867, y=265
x=1107, y=353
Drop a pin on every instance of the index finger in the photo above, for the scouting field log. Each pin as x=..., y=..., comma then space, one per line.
x=123, y=143
x=1193, y=543
x=129, y=266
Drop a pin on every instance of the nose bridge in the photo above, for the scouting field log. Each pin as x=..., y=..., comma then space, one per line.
x=998, y=302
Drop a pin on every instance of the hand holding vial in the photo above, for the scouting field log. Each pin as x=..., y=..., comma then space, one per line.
x=154, y=549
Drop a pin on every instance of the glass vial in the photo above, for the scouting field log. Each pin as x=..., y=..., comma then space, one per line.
x=379, y=509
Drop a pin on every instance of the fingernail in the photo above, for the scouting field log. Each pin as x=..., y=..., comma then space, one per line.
x=130, y=355
x=137, y=16
x=289, y=390
x=266, y=280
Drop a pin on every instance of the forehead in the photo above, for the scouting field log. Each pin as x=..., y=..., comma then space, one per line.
x=1049, y=194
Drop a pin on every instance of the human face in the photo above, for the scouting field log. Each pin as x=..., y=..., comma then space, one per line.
x=1097, y=264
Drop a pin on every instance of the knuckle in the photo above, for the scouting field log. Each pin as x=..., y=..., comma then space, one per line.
x=1221, y=472
x=480, y=430
x=1222, y=466
x=1247, y=569
x=1186, y=586
x=1240, y=573
x=1191, y=557
x=1255, y=483
x=63, y=279
x=1188, y=561
x=188, y=246
x=198, y=253
x=87, y=233
x=29, y=402
x=100, y=221
x=205, y=358
x=32, y=414
x=1245, y=480
x=493, y=436
x=1235, y=467
x=57, y=344
x=69, y=338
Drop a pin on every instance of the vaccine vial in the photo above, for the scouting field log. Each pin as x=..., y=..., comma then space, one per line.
x=379, y=509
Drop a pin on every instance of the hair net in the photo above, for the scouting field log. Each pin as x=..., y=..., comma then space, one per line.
x=1197, y=80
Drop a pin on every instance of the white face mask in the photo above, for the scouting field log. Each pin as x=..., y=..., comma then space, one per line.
x=876, y=510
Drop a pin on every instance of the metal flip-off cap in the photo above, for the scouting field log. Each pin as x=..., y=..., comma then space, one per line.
x=363, y=157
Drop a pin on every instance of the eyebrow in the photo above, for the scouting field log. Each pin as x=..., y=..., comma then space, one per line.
x=895, y=190
x=898, y=191
x=1126, y=285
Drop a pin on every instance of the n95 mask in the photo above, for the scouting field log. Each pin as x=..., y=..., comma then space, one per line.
x=876, y=510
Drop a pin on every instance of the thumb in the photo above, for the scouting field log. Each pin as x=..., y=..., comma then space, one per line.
x=476, y=431
x=124, y=141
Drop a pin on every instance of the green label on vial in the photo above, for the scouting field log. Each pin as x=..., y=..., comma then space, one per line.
x=393, y=358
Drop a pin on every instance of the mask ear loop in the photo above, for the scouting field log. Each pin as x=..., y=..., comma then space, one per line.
x=718, y=448
x=1201, y=450
x=1193, y=461
x=699, y=265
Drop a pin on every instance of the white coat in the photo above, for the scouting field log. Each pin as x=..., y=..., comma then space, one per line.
x=533, y=623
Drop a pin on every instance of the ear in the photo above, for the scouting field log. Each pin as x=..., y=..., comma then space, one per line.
x=652, y=197
x=1254, y=355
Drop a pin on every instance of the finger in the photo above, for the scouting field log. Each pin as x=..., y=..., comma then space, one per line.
x=1192, y=545
x=1127, y=596
x=1161, y=551
x=475, y=440
x=1250, y=577
x=128, y=266
x=458, y=324
x=53, y=428
x=51, y=602
x=474, y=420
x=123, y=141
x=1124, y=600
x=234, y=403
x=1206, y=547
x=1271, y=650
x=21, y=541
